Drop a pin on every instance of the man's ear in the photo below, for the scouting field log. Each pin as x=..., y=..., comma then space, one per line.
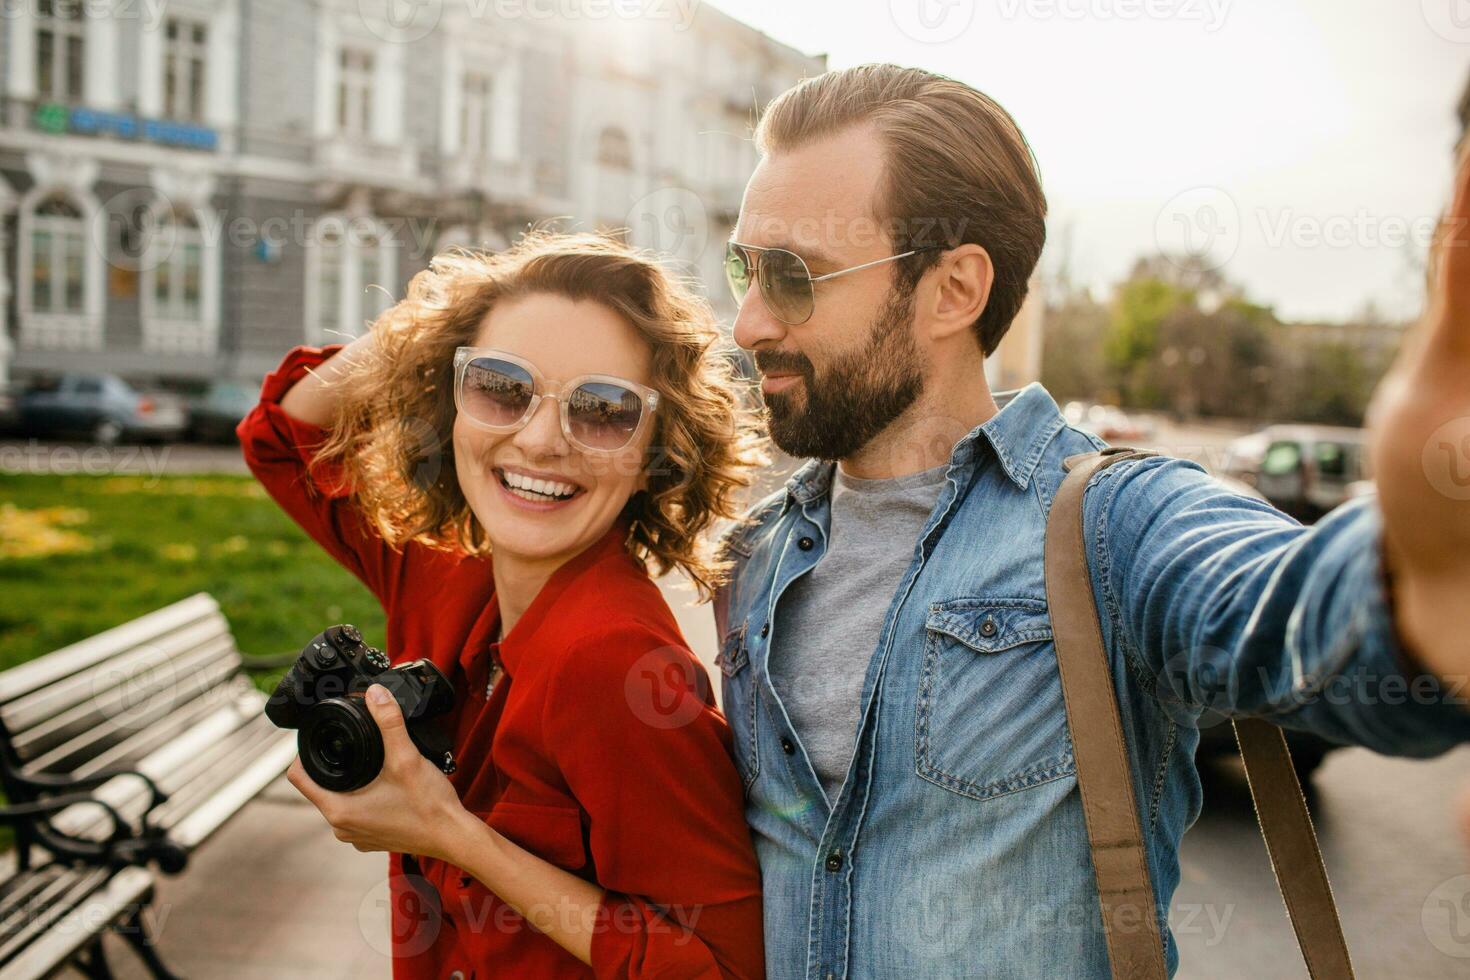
x=961, y=284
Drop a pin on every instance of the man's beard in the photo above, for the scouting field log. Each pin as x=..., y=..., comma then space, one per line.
x=860, y=393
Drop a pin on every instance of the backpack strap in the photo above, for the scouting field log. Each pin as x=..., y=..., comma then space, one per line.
x=1130, y=915
x=1120, y=859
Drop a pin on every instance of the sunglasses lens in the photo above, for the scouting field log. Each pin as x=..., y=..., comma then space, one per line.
x=604, y=416
x=737, y=271
x=786, y=286
x=495, y=392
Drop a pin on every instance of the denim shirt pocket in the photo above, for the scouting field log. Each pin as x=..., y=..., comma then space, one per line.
x=990, y=716
x=739, y=695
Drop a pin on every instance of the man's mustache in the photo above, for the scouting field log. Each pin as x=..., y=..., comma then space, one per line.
x=782, y=362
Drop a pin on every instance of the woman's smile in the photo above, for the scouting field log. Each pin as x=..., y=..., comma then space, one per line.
x=536, y=491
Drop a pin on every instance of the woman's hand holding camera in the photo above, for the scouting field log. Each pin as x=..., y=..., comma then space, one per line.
x=411, y=807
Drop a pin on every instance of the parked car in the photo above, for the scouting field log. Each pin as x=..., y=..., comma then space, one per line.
x=1307, y=470
x=102, y=407
x=1243, y=457
x=213, y=417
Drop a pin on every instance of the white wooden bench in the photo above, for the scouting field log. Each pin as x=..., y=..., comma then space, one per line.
x=126, y=749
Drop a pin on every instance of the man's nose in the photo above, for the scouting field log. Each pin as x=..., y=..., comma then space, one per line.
x=754, y=325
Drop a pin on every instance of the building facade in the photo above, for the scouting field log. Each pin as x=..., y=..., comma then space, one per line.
x=190, y=187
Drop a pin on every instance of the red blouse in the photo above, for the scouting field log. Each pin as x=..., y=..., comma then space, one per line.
x=599, y=749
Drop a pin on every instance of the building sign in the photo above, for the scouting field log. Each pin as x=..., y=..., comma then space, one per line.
x=51, y=117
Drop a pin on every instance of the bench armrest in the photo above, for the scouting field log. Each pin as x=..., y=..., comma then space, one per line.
x=54, y=781
x=124, y=846
x=35, y=813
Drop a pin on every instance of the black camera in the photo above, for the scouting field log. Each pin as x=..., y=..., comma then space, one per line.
x=321, y=696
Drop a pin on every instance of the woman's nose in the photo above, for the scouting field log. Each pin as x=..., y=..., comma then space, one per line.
x=542, y=435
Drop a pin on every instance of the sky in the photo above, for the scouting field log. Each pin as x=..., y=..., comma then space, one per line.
x=1302, y=147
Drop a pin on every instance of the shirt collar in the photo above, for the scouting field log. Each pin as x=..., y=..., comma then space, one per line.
x=1017, y=434
x=515, y=646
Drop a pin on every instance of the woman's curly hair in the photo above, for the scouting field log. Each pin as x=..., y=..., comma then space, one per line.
x=392, y=435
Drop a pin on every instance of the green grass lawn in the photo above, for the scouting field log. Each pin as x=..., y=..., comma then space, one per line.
x=144, y=542
x=79, y=554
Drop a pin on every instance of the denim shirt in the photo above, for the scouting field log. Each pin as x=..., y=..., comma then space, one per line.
x=956, y=846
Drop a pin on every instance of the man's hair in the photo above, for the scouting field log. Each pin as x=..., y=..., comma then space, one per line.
x=957, y=171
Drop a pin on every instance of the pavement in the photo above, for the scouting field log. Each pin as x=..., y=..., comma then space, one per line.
x=274, y=896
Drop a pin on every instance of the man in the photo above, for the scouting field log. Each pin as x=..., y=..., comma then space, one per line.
x=887, y=654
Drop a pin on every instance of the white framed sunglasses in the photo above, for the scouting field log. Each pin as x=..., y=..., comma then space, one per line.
x=499, y=391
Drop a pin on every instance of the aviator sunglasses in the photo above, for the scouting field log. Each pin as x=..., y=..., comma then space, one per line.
x=499, y=391
x=786, y=284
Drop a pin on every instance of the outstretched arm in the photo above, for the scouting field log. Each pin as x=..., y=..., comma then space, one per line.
x=1421, y=455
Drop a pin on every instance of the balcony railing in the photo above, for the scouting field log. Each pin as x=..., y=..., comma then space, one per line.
x=501, y=180
x=360, y=159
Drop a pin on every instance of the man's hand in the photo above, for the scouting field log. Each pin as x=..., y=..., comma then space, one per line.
x=411, y=807
x=1420, y=423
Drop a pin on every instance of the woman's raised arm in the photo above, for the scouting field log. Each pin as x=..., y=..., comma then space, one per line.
x=314, y=398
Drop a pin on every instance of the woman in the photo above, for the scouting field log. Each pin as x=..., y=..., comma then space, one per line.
x=502, y=459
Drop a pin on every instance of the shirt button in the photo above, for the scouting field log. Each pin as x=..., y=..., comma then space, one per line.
x=806, y=544
x=787, y=746
x=834, y=861
x=987, y=628
x=765, y=630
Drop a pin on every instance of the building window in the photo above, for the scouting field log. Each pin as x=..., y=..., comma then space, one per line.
x=351, y=279
x=181, y=295
x=59, y=50
x=329, y=283
x=58, y=257
x=185, y=45
x=614, y=150
x=355, y=92
x=179, y=275
x=476, y=114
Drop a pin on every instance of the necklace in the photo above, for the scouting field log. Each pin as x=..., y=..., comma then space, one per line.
x=495, y=673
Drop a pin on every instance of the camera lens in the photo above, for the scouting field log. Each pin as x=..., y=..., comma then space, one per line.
x=340, y=745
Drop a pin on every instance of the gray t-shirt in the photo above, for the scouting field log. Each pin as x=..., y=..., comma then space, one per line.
x=827, y=622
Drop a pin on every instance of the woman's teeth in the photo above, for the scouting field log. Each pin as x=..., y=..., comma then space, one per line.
x=529, y=489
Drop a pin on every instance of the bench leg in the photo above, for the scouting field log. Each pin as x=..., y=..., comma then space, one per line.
x=134, y=929
x=93, y=961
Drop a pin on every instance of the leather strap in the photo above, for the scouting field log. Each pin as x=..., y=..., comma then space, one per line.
x=1290, y=840
x=1130, y=915
x=1104, y=780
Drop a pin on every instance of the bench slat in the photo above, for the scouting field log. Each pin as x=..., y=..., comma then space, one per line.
x=118, y=671
x=206, y=819
x=255, y=742
x=177, y=678
x=170, y=765
x=122, y=740
x=47, y=950
x=22, y=679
